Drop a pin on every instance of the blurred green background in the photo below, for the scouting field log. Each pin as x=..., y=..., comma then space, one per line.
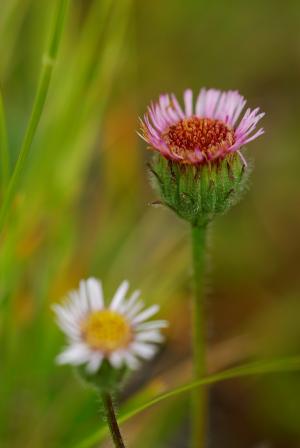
x=83, y=209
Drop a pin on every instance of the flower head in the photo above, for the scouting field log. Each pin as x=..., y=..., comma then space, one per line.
x=117, y=333
x=198, y=169
x=196, y=134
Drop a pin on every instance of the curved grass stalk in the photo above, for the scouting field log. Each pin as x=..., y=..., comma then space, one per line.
x=282, y=365
x=93, y=73
x=38, y=106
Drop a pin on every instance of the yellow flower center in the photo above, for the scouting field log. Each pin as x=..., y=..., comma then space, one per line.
x=106, y=331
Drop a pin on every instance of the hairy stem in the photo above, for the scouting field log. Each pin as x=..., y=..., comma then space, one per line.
x=112, y=420
x=199, y=396
x=38, y=106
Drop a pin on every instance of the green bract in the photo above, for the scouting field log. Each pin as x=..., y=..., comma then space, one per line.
x=197, y=193
x=106, y=379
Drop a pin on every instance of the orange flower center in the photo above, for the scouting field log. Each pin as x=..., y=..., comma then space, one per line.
x=192, y=133
x=106, y=330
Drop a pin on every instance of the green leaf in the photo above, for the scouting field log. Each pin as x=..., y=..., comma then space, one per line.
x=254, y=368
x=4, y=153
x=38, y=106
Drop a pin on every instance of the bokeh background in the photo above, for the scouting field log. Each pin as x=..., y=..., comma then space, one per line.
x=83, y=209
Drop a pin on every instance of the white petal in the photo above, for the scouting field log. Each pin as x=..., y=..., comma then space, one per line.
x=95, y=363
x=146, y=314
x=143, y=350
x=66, y=321
x=131, y=301
x=70, y=330
x=83, y=295
x=61, y=313
x=134, y=310
x=131, y=361
x=119, y=295
x=75, y=354
x=95, y=294
x=152, y=325
x=78, y=305
x=116, y=359
x=149, y=336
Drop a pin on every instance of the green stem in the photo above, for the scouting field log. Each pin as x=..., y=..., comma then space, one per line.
x=112, y=420
x=38, y=106
x=273, y=366
x=199, y=397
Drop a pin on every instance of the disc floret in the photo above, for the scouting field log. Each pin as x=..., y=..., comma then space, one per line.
x=106, y=330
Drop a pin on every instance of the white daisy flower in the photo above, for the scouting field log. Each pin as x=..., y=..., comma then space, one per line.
x=118, y=332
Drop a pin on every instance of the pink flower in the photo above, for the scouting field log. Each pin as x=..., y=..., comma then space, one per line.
x=208, y=130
